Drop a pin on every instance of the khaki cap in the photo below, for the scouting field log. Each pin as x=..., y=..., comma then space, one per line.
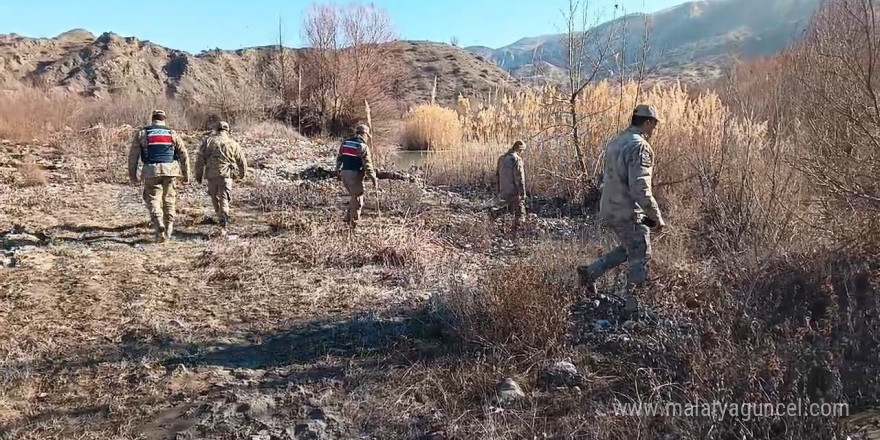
x=158, y=113
x=223, y=126
x=361, y=129
x=647, y=111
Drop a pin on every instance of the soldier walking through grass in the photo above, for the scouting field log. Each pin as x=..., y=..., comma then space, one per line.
x=628, y=206
x=511, y=185
x=220, y=160
x=165, y=159
x=354, y=163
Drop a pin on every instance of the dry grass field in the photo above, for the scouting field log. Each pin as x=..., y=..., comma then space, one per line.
x=431, y=322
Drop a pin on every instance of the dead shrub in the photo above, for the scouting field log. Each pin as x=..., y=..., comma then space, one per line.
x=282, y=195
x=32, y=173
x=241, y=264
x=520, y=307
x=431, y=127
x=398, y=198
x=288, y=221
x=30, y=114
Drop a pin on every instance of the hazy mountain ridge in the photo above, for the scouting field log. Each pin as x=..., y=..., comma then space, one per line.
x=694, y=39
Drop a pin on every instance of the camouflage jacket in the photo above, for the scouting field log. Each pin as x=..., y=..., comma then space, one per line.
x=511, y=176
x=177, y=168
x=626, y=192
x=220, y=157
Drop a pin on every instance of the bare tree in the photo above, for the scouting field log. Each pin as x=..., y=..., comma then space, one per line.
x=321, y=30
x=589, y=49
x=838, y=71
x=348, y=58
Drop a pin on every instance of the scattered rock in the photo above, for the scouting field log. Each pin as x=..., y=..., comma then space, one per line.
x=257, y=408
x=434, y=434
x=317, y=414
x=311, y=430
x=508, y=391
x=601, y=325
x=560, y=374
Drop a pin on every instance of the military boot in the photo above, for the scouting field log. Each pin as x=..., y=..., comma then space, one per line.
x=633, y=309
x=169, y=230
x=158, y=229
x=587, y=276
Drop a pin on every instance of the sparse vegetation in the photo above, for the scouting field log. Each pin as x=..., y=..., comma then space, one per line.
x=765, y=284
x=32, y=173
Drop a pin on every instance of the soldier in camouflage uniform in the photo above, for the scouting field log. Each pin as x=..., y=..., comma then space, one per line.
x=511, y=185
x=627, y=205
x=220, y=160
x=165, y=159
x=354, y=162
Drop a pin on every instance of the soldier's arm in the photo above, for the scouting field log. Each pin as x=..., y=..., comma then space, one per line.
x=241, y=161
x=368, y=163
x=519, y=177
x=339, y=157
x=134, y=155
x=641, y=169
x=200, y=161
x=498, y=172
x=182, y=155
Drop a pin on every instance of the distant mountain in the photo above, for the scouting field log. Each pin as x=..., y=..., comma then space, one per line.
x=692, y=40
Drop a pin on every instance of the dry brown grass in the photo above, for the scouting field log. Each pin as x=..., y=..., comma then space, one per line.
x=523, y=306
x=30, y=114
x=269, y=130
x=716, y=172
x=431, y=127
x=32, y=173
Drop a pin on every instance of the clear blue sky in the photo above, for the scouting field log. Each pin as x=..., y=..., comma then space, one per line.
x=195, y=25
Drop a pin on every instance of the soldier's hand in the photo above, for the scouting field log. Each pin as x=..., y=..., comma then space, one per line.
x=661, y=225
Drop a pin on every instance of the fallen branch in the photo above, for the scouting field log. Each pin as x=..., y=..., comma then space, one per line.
x=318, y=172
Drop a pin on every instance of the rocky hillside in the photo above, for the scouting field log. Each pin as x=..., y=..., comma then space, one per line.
x=109, y=64
x=692, y=40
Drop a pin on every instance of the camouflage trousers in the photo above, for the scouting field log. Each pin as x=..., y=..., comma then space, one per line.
x=512, y=205
x=160, y=195
x=634, y=249
x=354, y=184
x=220, y=191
